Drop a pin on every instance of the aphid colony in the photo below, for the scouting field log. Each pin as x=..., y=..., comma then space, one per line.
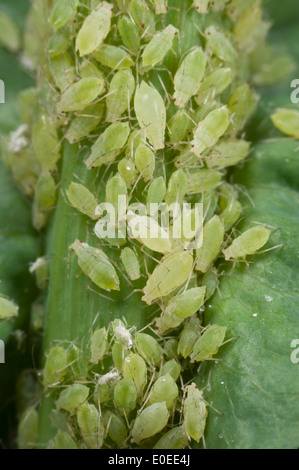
x=141, y=400
x=154, y=123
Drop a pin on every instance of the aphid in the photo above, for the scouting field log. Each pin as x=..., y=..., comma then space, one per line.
x=8, y=309
x=210, y=281
x=37, y=316
x=95, y=28
x=96, y=265
x=195, y=413
x=160, y=6
x=149, y=349
x=249, y=28
x=143, y=18
x=158, y=46
x=156, y=191
x=203, y=180
x=129, y=33
x=136, y=138
x=186, y=304
x=121, y=89
x=186, y=159
x=131, y=263
x=89, y=69
x=171, y=348
x=98, y=345
x=78, y=362
x=172, y=368
x=80, y=94
x=63, y=70
x=62, y=441
x=231, y=214
x=247, y=243
x=145, y=161
x=62, y=12
x=55, y=366
x=213, y=84
x=82, y=199
x=85, y=122
x=287, y=121
x=208, y=343
x=115, y=188
x=123, y=5
x=72, y=397
x=213, y=234
x=46, y=143
x=220, y=45
x=91, y=426
x=150, y=422
x=9, y=33
x=209, y=130
x=178, y=127
x=58, y=42
x=242, y=105
x=28, y=105
x=176, y=438
x=189, y=335
x=113, y=57
x=115, y=427
x=108, y=145
x=122, y=334
x=135, y=368
x=119, y=352
x=151, y=114
x=102, y=393
x=236, y=7
x=164, y=390
x=28, y=429
x=177, y=187
x=218, y=5
x=126, y=169
x=44, y=200
x=125, y=396
x=226, y=153
x=40, y=268
x=166, y=277
x=189, y=75
x=202, y=6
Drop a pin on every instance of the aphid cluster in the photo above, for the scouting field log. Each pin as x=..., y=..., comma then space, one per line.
x=158, y=125
x=126, y=390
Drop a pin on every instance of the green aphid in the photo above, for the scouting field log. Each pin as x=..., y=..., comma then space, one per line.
x=78, y=362
x=72, y=397
x=187, y=304
x=173, y=368
x=91, y=426
x=160, y=6
x=164, y=390
x=175, y=438
x=89, y=69
x=150, y=422
x=125, y=396
x=231, y=214
x=8, y=309
x=145, y=161
x=211, y=281
x=203, y=180
x=131, y=263
x=58, y=42
x=177, y=187
x=115, y=428
x=123, y=5
x=62, y=12
x=46, y=143
x=178, y=127
x=129, y=33
x=63, y=70
x=135, y=369
x=119, y=352
x=37, y=316
x=82, y=199
x=28, y=105
x=94, y=29
x=28, y=429
x=158, y=46
x=149, y=349
x=10, y=36
x=113, y=57
x=84, y=122
x=247, y=243
x=207, y=345
x=209, y=130
x=287, y=121
x=202, y=6
x=143, y=18
x=110, y=144
x=55, y=366
x=156, y=191
x=44, y=200
x=213, y=84
x=189, y=335
x=40, y=268
x=98, y=345
x=227, y=153
x=220, y=45
x=195, y=413
x=213, y=235
x=96, y=265
x=242, y=105
x=127, y=170
x=121, y=89
x=62, y=441
x=80, y=94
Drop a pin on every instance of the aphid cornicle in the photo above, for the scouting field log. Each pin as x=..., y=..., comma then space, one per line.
x=247, y=243
x=189, y=75
x=208, y=343
x=151, y=114
x=72, y=397
x=150, y=422
x=8, y=309
x=95, y=28
x=96, y=265
x=158, y=47
x=119, y=96
x=195, y=413
x=82, y=199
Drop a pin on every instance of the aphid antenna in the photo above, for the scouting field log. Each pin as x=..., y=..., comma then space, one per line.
x=101, y=295
x=270, y=249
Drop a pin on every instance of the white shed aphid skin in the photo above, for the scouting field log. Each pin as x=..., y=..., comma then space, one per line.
x=129, y=33
x=82, y=199
x=113, y=57
x=108, y=145
x=80, y=94
x=213, y=84
x=164, y=389
x=155, y=51
x=94, y=29
x=287, y=121
x=150, y=422
x=175, y=438
x=166, y=278
x=18, y=139
x=130, y=263
x=247, y=243
x=8, y=309
x=160, y=6
x=62, y=12
x=208, y=343
x=55, y=366
x=46, y=143
x=143, y=18
x=115, y=428
x=195, y=413
x=124, y=336
x=108, y=378
x=40, y=268
x=96, y=265
x=209, y=131
x=220, y=45
x=98, y=345
x=121, y=89
x=85, y=122
x=63, y=70
x=202, y=6
x=227, y=153
x=189, y=76
x=135, y=368
x=72, y=397
x=151, y=114
x=189, y=335
x=145, y=161
x=203, y=180
x=91, y=425
x=125, y=396
x=213, y=235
